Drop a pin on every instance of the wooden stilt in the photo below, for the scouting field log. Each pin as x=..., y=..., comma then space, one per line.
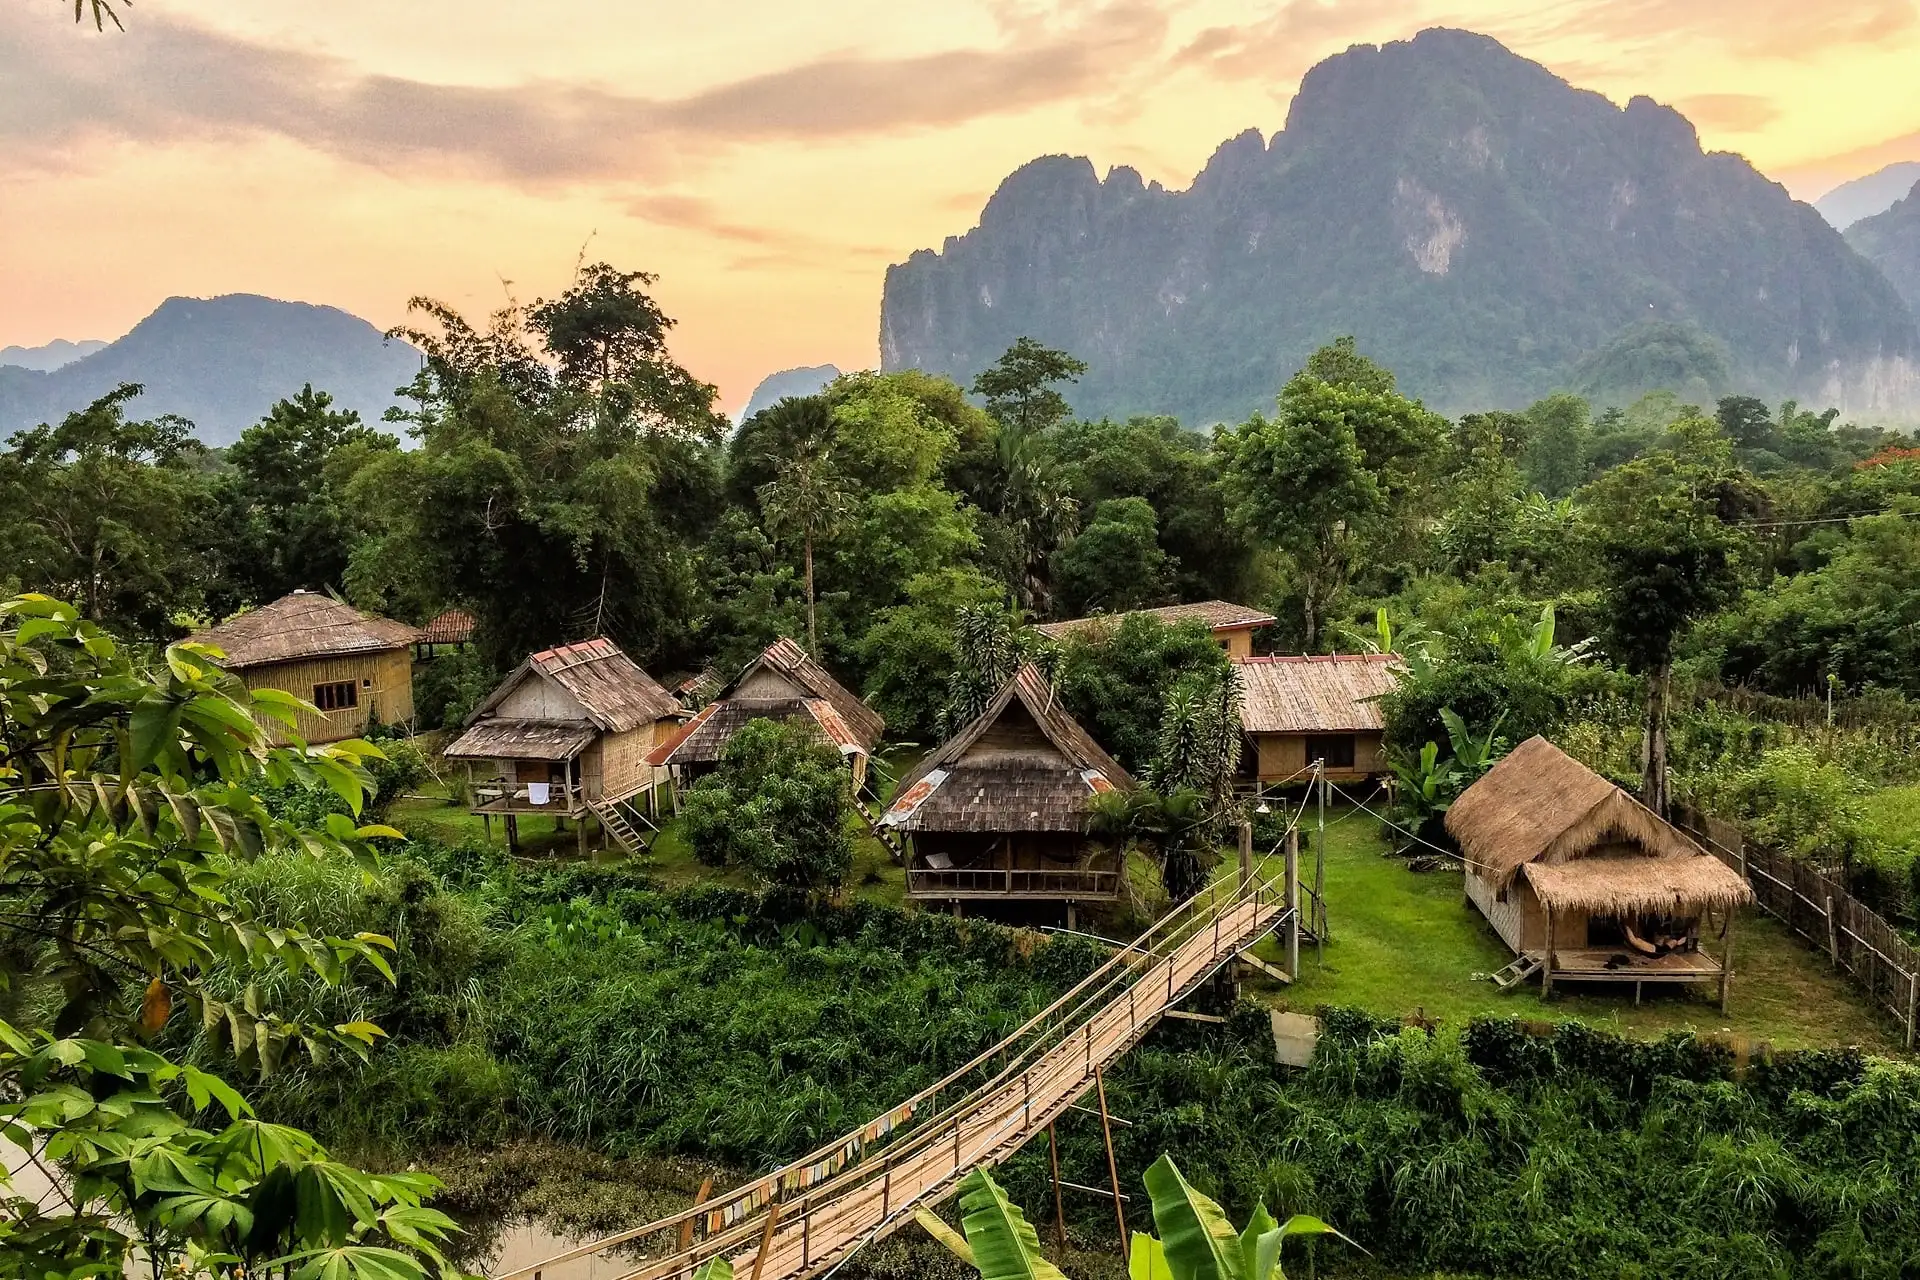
x=1246, y=852
x=1726, y=960
x=1320, y=874
x=486, y=825
x=1059, y=1209
x=513, y=833
x=1113, y=1169
x=1546, y=969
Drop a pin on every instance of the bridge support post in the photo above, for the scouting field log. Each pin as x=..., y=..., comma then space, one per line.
x=1293, y=905
x=1059, y=1209
x=1246, y=852
x=1113, y=1168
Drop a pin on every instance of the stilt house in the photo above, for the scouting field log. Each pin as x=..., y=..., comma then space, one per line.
x=566, y=734
x=1297, y=711
x=1002, y=810
x=782, y=683
x=1584, y=882
x=354, y=667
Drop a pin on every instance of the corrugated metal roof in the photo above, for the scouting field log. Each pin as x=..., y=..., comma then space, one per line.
x=1218, y=615
x=303, y=625
x=1326, y=694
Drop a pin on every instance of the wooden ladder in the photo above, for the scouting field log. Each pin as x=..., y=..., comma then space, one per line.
x=615, y=824
x=885, y=835
x=1524, y=966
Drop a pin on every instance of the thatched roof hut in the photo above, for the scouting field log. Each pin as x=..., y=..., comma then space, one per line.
x=1324, y=707
x=1003, y=808
x=782, y=683
x=354, y=667
x=1560, y=859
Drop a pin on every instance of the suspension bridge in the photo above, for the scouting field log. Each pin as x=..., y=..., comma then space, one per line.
x=802, y=1220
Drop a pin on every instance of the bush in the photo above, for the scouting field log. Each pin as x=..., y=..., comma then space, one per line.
x=449, y=687
x=777, y=805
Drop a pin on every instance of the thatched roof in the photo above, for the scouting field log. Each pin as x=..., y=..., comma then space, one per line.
x=303, y=625
x=1542, y=810
x=1321, y=694
x=1218, y=615
x=1023, y=764
x=1638, y=885
x=453, y=626
x=521, y=740
x=782, y=683
x=613, y=691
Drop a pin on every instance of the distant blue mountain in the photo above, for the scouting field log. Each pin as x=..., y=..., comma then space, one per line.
x=776, y=387
x=53, y=355
x=221, y=363
x=1849, y=202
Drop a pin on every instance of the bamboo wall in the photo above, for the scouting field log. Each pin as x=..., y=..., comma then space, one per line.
x=1829, y=919
x=1238, y=644
x=1284, y=755
x=385, y=681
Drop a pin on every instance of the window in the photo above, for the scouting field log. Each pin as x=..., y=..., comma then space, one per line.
x=1335, y=749
x=337, y=695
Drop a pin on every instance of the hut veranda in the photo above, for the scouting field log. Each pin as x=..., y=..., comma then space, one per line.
x=1584, y=882
x=1002, y=810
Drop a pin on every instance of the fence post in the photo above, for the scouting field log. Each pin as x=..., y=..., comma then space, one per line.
x=1833, y=935
x=1913, y=1002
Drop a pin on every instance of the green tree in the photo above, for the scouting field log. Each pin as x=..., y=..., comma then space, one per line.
x=1344, y=465
x=911, y=655
x=126, y=799
x=1113, y=564
x=286, y=519
x=1117, y=680
x=104, y=512
x=1020, y=390
x=1555, y=460
x=777, y=805
x=1665, y=532
x=807, y=496
x=565, y=477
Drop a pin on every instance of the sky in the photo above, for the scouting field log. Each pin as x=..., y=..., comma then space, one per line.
x=766, y=160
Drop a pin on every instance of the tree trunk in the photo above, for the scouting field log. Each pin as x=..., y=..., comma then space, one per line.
x=1310, y=615
x=1653, y=739
x=813, y=631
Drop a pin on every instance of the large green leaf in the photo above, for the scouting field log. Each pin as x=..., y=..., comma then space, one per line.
x=1147, y=1259
x=714, y=1269
x=1200, y=1243
x=936, y=1226
x=1005, y=1245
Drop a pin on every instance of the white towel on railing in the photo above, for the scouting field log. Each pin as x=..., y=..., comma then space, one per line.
x=537, y=792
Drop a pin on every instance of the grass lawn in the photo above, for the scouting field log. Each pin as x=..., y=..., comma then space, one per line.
x=1406, y=942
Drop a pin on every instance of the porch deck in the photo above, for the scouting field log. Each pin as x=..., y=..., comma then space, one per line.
x=1005, y=883
x=1622, y=964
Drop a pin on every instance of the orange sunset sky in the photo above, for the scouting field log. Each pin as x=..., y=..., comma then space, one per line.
x=767, y=160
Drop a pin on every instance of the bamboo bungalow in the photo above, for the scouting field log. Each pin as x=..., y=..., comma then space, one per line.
x=1002, y=810
x=1299, y=710
x=566, y=734
x=1584, y=882
x=783, y=683
x=1232, y=625
x=354, y=667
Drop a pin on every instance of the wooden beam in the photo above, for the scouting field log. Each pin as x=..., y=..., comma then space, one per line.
x=1184, y=1016
x=1113, y=1168
x=1278, y=975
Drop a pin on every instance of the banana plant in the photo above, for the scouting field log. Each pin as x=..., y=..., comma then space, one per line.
x=1196, y=1241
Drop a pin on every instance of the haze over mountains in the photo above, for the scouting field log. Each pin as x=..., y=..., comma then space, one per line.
x=1477, y=223
x=1891, y=241
x=1849, y=202
x=220, y=363
x=49, y=356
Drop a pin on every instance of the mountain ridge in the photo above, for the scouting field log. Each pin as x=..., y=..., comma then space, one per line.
x=221, y=363
x=1479, y=224
x=1891, y=241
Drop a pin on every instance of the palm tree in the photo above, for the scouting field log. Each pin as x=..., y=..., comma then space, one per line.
x=807, y=496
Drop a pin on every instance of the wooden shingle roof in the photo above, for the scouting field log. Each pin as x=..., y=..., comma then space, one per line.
x=303, y=625
x=1326, y=694
x=453, y=626
x=615, y=693
x=1218, y=615
x=985, y=778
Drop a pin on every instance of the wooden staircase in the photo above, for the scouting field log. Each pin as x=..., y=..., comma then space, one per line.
x=614, y=820
x=885, y=835
x=1524, y=966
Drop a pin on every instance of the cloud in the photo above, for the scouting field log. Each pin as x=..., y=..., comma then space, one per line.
x=1289, y=40
x=1790, y=29
x=1732, y=112
x=169, y=80
x=699, y=214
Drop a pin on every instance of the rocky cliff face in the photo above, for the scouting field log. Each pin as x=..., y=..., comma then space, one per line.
x=1891, y=241
x=1476, y=222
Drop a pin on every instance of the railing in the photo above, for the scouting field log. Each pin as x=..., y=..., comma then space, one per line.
x=504, y=795
x=1002, y=882
x=1828, y=918
x=801, y=1218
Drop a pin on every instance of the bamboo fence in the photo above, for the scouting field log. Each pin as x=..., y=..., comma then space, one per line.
x=1855, y=939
